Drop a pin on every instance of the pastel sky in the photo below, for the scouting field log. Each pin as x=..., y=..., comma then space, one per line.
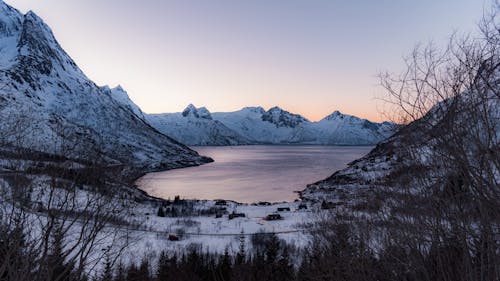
x=307, y=56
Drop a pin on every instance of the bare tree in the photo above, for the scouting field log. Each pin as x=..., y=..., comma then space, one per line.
x=59, y=218
x=446, y=207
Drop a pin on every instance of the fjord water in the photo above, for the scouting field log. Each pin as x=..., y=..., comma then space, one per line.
x=252, y=173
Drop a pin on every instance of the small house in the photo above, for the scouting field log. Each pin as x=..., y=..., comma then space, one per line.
x=273, y=217
x=330, y=205
x=221, y=203
x=236, y=215
x=173, y=237
x=220, y=212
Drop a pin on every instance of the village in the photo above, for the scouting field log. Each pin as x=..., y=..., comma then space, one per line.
x=216, y=225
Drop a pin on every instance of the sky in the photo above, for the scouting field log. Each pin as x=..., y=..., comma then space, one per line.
x=310, y=57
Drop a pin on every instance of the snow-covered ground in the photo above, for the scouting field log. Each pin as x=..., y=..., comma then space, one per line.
x=204, y=224
x=212, y=234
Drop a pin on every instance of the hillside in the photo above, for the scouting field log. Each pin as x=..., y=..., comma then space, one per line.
x=49, y=105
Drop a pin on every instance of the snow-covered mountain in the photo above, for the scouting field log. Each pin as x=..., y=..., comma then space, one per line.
x=195, y=126
x=274, y=126
x=280, y=126
x=338, y=128
x=254, y=125
x=48, y=104
x=121, y=96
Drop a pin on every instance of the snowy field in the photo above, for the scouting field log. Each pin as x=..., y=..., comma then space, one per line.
x=215, y=235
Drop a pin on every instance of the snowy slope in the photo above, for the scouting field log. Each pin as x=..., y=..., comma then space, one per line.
x=121, y=96
x=195, y=126
x=254, y=125
x=279, y=126
x=273, y=126
x=48, y=104
x=338, y=128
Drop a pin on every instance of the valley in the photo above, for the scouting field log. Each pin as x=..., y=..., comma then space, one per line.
x=94, y=188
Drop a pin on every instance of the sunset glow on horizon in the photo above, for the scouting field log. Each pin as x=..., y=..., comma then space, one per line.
x=307, y=57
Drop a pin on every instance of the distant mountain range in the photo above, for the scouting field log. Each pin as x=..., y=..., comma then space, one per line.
x=254, y=125
x=195, y=126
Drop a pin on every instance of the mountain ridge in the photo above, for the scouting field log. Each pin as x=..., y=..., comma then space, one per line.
x=255, y=125
x=49, y=105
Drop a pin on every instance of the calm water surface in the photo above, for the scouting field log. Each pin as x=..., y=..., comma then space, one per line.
x=252, y=173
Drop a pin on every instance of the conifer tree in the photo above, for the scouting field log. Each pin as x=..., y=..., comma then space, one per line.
x=120, y=273
x=161, y=213
x=163, y=267
x=107, y=274
x=284, y=269
x=144, y=270
x=56, y=268
x=272, y=249
x=225, y=266
x=241, y=255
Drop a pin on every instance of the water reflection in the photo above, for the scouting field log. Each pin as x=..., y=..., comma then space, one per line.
x=252, y=173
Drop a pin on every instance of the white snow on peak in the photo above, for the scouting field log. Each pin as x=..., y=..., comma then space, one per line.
x=10, y=20
x=195, y=126
x=61, y=111
x=10, y=28
x=193, y=112
x=275, y=126
x=336, y=114
x=254, y=109
x=121, y=96
x=282, y=118
x=204, y=113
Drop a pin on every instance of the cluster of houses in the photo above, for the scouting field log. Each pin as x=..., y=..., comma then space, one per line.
x=222, y=209
x=269, y=217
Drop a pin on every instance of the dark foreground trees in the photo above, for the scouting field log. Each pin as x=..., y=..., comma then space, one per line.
x=339, y=251
x=57, y=225
x=272, y=263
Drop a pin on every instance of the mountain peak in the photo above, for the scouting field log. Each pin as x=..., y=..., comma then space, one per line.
x=122, y=97
x=192, y=111
x=255, y=109
x=282, y=118
x=38, y=25
x=10, y=20
x=118, y=88
x=39, y=54
x=47, y=93
x=335, y=116
x=33, y=15
x=275, y=108
x=204, y=113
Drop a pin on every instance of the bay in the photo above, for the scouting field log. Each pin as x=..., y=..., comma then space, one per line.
x=252, y=173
